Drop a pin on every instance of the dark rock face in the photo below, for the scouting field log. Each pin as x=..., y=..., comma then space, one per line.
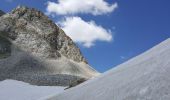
x=76, y=82
x=1, y=13
x=35, y=50
x=50, y=80
x=5, y=48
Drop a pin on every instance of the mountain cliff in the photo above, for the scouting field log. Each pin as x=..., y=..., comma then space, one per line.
x=33, y=48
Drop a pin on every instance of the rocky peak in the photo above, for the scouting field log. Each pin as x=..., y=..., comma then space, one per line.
x=34, y=32
x=1, y=13
x=33, y=49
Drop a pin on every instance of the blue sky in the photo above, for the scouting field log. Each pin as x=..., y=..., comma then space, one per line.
x=134, y=26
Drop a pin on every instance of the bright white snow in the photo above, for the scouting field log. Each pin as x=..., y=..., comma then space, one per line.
x=145, y=77
x=17, y=90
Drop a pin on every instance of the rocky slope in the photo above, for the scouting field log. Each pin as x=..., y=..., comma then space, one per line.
x=32, y=47
x=145, y=77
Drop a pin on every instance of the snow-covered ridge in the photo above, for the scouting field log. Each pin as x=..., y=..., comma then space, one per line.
x=145, y=77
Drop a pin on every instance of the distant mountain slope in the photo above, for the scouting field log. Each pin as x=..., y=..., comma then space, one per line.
x=145, y=77
x=1, y=13
x=37, y=49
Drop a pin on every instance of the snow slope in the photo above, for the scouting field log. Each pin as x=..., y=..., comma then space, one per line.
x=16, y=90
x=145, y=77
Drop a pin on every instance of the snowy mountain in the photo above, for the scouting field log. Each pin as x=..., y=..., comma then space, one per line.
x=145, y=77
x=35, y=50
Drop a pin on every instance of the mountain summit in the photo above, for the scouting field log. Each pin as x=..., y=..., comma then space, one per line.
x=33, y=48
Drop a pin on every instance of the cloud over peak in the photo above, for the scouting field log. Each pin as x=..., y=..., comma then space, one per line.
x=94, y=7
x=85, y=33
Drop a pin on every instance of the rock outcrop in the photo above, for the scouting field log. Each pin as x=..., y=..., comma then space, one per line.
x=37, y=47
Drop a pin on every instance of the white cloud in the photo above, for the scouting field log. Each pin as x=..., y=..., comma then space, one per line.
x=122, y=57
x=85, y=33
x=95, y=7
